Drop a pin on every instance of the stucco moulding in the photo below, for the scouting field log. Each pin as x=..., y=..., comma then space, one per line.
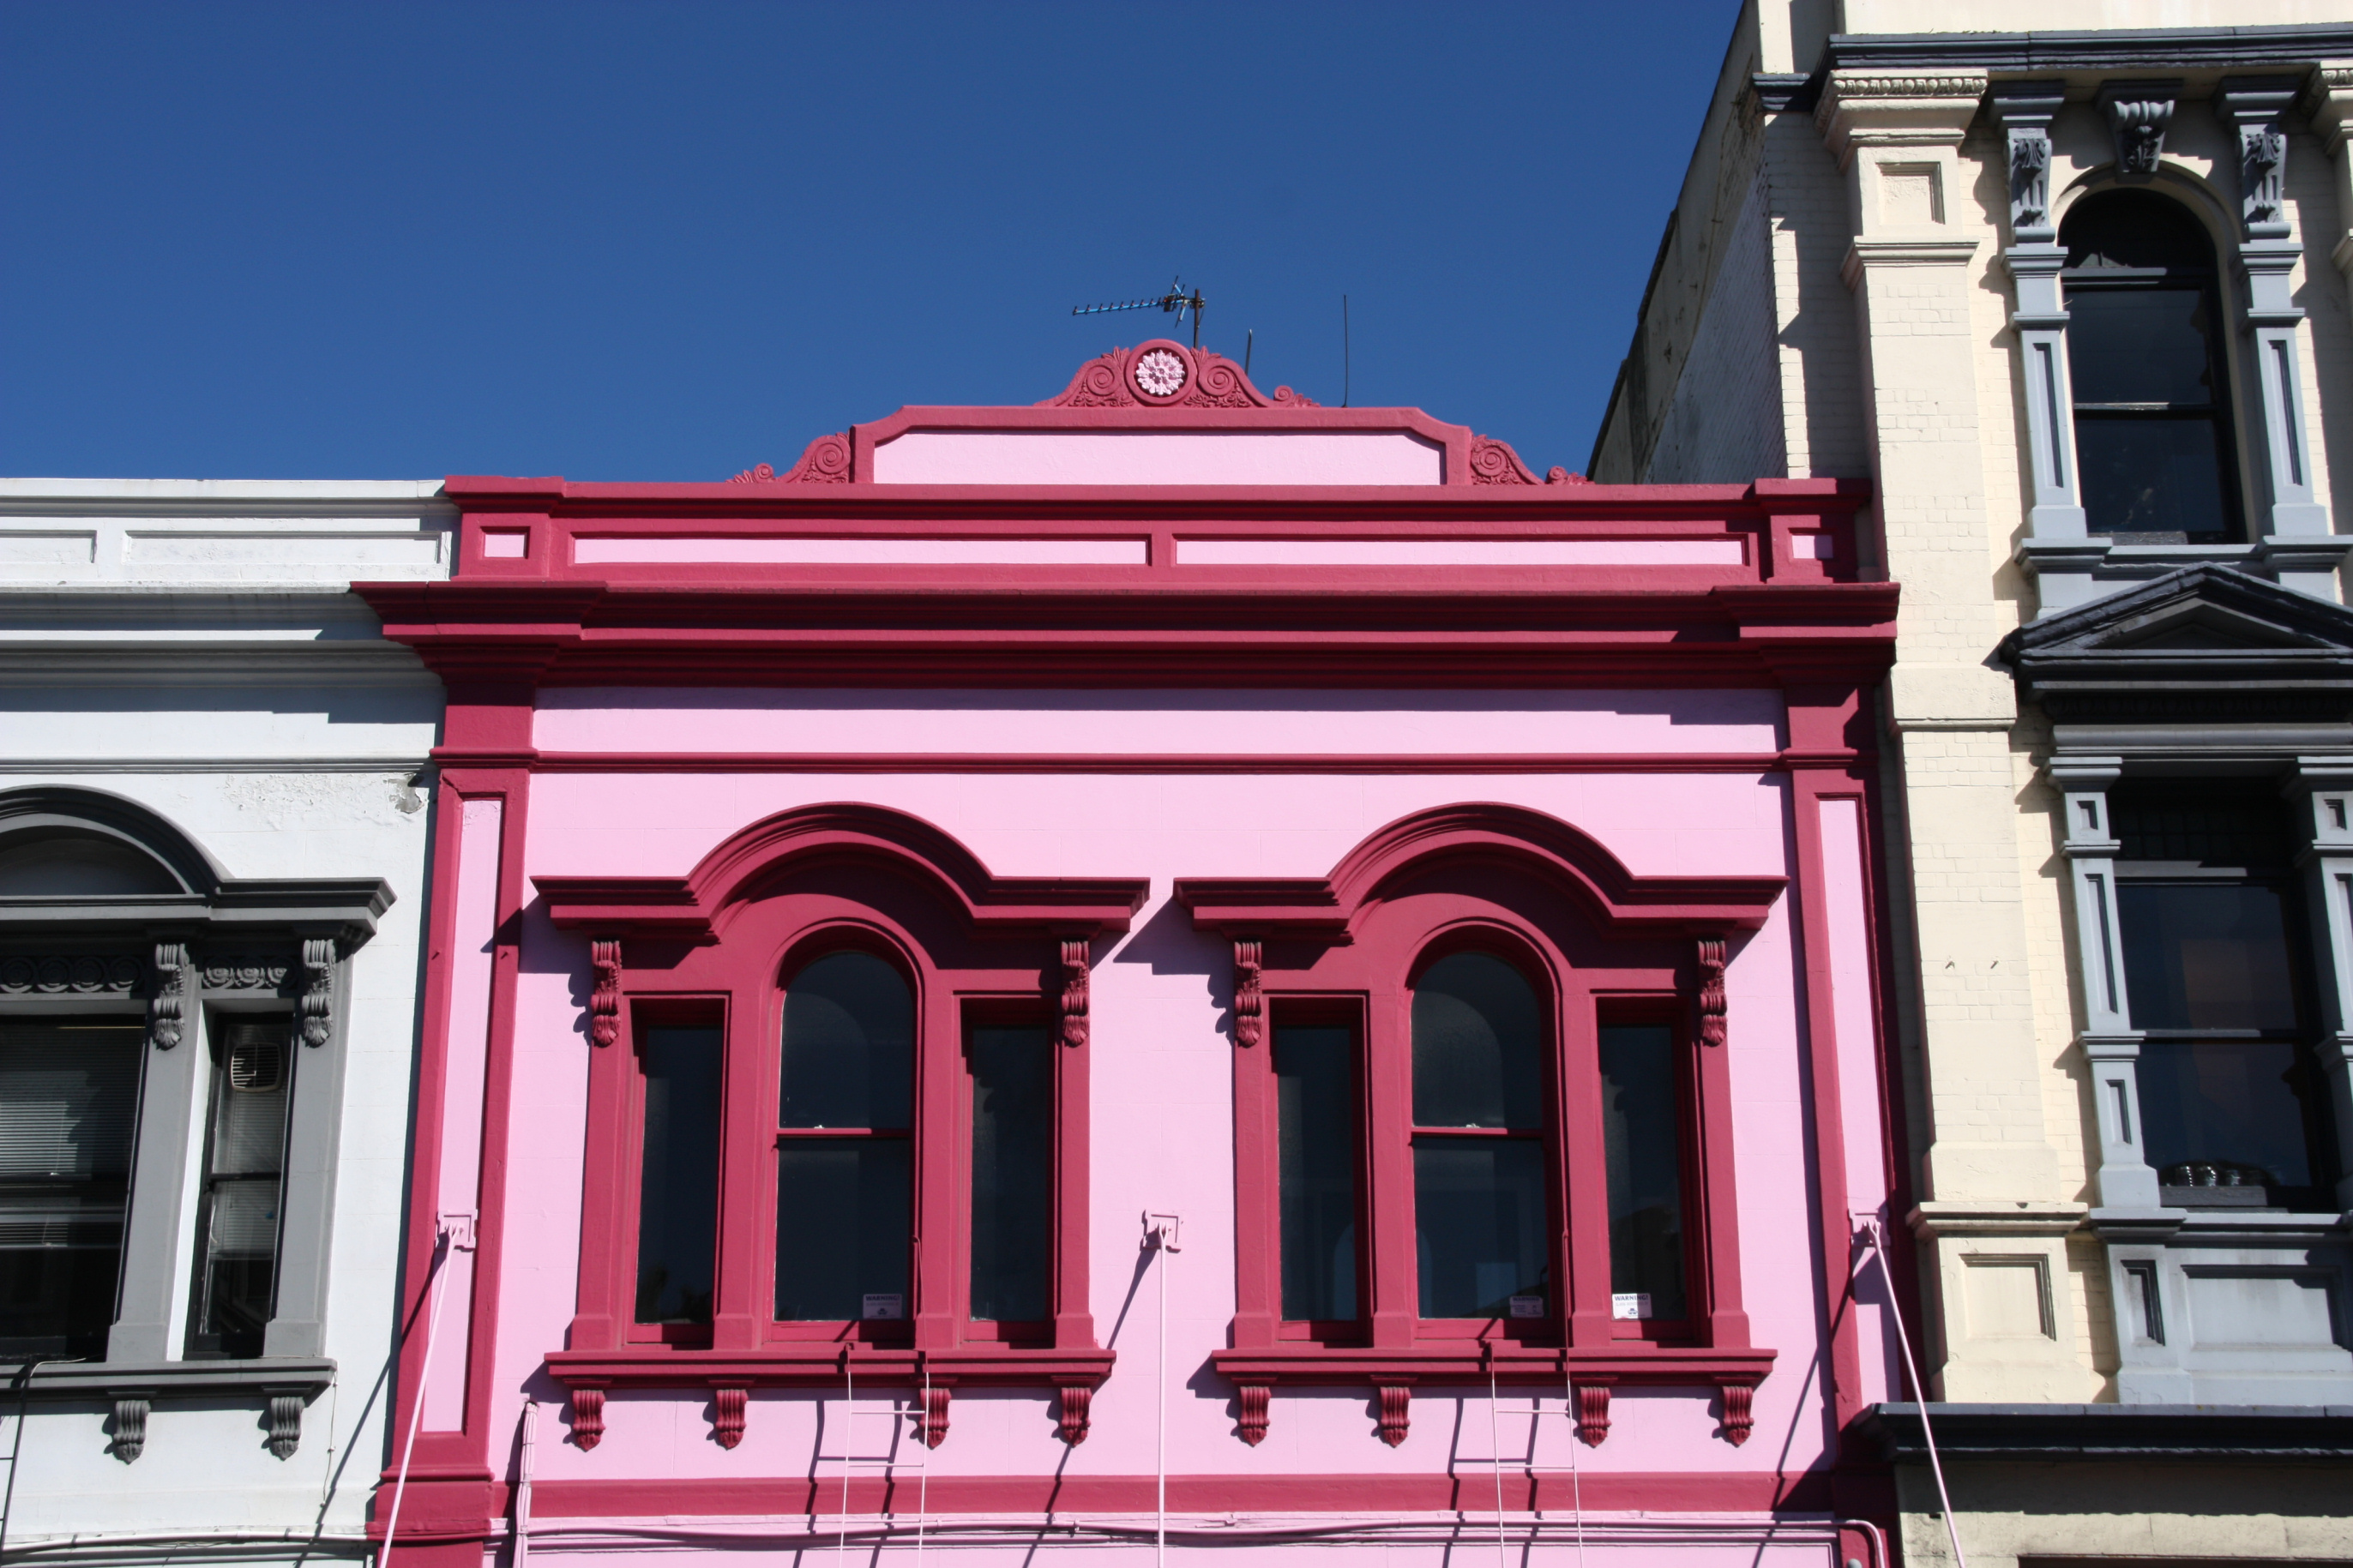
x=1160, y=386
x=1328, y=908
x=695, y=906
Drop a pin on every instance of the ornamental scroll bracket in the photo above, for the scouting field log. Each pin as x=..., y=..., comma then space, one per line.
x=1250, y=992
x=2024, y=110
x=1712, y=1006
x=318, y=1003
x=1075, y=995
x=604, y=994
x=2251, y=108
x=167, y=1008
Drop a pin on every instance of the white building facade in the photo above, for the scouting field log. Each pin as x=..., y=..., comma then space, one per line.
x=214, y=816
x=2068, y=281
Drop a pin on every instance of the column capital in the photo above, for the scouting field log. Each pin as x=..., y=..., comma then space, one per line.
x=2251, y=108
x=2328, y=99
x=2023, y=110
x=1889, y=109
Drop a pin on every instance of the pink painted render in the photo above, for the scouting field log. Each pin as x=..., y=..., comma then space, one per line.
x=1159, y=457
x=638, y=719
x=1162, y=1116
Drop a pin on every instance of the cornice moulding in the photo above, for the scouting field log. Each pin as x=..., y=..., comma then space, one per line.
x=1865, y=253
x=1934, y=1219
x=132, y=499
x=1905, y=110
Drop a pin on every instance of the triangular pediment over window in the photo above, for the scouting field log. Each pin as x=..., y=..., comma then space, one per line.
x=2204, y=645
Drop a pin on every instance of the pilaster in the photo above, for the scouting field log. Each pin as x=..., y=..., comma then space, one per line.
x=2250, y=110
x=1912, y=267
x=2322, y=790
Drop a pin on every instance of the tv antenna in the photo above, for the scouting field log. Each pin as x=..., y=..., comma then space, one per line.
x=1175, y=302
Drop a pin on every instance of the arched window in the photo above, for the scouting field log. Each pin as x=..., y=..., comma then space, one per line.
x=858, y=1117
x=1479, y=1205
x=167, y=1033
x=2146, y=357
x=844, y=1153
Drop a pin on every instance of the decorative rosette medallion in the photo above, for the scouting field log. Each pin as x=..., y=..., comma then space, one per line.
x=1160, y=373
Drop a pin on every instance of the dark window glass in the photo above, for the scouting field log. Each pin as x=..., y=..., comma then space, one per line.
x=68, y=1094
x=677, y=1185
x=844, y=1220
x=2142, y=346
x=841, y=1230
x=1012, y=1171
x=1316, y=1097
x=1478, y=1046
x=849, y=1045
x=1479, y=1038
x=2228, y=1113
x=1479, y=1224
x=2184, y=821
x=2207, y=955
x=245, y=1161
x=2152, y=421
x=1642, y=1132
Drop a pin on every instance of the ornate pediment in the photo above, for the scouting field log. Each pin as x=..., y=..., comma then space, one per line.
x=2200, y=646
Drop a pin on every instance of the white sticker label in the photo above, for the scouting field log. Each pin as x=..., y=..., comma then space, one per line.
x=890, y=1305
x=1527, y=1306
x=1630, y=1304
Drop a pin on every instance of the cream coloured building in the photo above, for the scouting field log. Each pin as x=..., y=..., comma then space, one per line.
x=2070, y=286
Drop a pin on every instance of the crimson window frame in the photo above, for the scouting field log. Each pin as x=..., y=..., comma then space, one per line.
x=722, y=944
x=1598, y=944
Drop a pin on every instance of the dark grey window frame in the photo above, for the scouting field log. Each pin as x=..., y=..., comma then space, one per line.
x=219, y=946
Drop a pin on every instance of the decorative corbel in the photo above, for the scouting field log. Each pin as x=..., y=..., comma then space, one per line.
x=1396, y=1411
x=1076, y=1410
x=1075, y=953
x=285, y=1421
x=1250, y=997
x=1592, y=1413
x=730, y=1403
x=1739, y=1412
x=605, y=995
x=588, y=1417
x=1257, y=1398
x=130, y=1438
x=932, y=1419
x=317, y=1006
x=2252, y=106
x=2138, y=113
x=2023, y=109
x=1712, y=1006
x=166, y=1010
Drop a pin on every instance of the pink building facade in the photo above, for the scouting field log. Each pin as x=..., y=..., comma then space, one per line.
x=1170, y=965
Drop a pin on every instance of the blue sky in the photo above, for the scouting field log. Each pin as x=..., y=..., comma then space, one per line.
x=666, y=241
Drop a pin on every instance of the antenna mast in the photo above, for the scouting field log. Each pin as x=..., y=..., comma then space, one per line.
x=1175, y=302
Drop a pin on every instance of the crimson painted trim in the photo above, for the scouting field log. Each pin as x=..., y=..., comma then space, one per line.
x=780, y=1498
x=695, y=904
x=1165, y=763
x=819, y=1364
x=1563, y=854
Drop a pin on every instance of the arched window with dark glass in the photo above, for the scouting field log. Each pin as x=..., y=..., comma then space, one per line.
x=844, y=1149
x=1479, y=1133
x=2145, y=353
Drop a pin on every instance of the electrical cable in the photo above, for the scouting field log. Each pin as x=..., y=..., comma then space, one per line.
x=445, y=1242
x=522, y=1483
x=1869, y=1229
x=16, y=1451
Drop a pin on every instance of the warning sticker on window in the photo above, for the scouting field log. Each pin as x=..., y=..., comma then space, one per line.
x=1625, y=1304
x=894, y=1305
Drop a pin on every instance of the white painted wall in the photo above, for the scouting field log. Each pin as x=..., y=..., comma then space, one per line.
x=279, y=732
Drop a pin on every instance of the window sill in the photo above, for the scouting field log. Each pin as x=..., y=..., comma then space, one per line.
x=1394, y=1373
x=731, y=1375
x=286, y=1384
